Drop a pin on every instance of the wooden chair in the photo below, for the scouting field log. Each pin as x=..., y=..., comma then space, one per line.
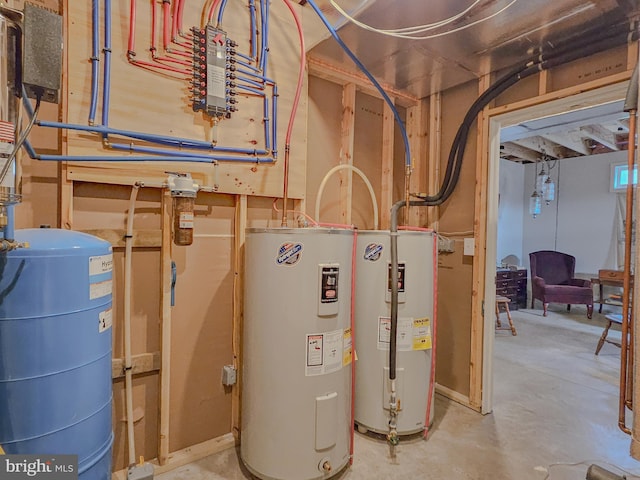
x=504, y=302
x=611, y=319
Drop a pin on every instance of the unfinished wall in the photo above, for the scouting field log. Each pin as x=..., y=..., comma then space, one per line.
x=202, y=320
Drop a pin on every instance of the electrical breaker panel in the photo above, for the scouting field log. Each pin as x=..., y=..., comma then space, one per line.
x=401, y=283
x=328, y=292
x=213, y=66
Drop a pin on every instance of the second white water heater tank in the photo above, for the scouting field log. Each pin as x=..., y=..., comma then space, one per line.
x=416, y=302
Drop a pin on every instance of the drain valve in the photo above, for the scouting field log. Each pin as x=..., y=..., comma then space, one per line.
x=325, y=465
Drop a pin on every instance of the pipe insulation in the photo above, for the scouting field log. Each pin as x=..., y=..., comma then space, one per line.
x=596, y=472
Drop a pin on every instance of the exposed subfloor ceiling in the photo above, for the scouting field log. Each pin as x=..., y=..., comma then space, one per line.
x=421, y=67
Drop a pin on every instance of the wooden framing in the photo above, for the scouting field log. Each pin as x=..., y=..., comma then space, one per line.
x=558, y=94
x=141, y=238
x=386, y=194
x=240, y=226
x=416, y=130
x=435, y=147
x=185, y=456
x=165, y=329
x=479, y=259
x=347, y=134
x=141, y=363
x=481, y=276
x=334, y=74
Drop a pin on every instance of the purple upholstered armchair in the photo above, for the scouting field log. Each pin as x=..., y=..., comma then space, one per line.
x=552, y=281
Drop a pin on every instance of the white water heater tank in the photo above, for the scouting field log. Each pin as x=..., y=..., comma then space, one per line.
x=416, y=311
x=296, y=376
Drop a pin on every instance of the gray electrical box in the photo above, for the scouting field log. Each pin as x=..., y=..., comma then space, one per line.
x=42, y=55
x=140, y=472
x=229, y=375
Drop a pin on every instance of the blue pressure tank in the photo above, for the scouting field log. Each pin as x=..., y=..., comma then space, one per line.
x=55, y=348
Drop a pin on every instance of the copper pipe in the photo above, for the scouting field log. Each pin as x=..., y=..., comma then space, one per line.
x=626, y=288
x=285, y=195
x=631, y=357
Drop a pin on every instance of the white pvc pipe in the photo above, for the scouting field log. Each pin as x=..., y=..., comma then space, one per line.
x=364, y=179
x=128, y=379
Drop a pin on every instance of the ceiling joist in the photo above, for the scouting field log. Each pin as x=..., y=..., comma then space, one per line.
x=600, y=135
x=571, y=140
x=543, y=146
x=510, y=149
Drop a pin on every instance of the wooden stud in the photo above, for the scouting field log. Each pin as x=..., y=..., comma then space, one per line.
x=346, y=151
x=335, y=74
x=435, y=148
x=165, y=328
x=240, y=226
x=543, y=82
x=141, y=363
x=66, y=185
x=416, y=130
x=386, y=186
x=479, y=259
x=632, y=55
x=66, y=199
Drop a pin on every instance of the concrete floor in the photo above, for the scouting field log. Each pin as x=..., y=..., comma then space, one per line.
x=555, y=413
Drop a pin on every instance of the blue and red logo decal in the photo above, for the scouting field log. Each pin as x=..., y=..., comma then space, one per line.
x=373, y=252
x=289, y=254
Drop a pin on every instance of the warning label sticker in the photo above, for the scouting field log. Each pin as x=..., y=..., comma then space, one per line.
x=412, y=334
x=347, y=347
x=100, y=289
x=105, y=320
x=421, y=334
x=325, y=353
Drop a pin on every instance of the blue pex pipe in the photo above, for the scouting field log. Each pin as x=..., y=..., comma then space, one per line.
x=147, y=137
x=266, y=123
x=274, y=124
x=223, y=5
x=94, y=60
x=264, y=18
x=107, y=64
x=9, y=231
x=166, y=158
x=254, y=43
x=250, y=82
x=364, y=70
x=158, y=151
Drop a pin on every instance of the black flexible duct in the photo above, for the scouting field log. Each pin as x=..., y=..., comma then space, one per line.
x=566, y=52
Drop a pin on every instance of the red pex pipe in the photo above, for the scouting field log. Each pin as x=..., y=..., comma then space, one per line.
x=353, y=344
x=132, y=21
x=212, y=10
x=432, y=380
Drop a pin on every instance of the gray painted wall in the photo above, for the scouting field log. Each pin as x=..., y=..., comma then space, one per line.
x=579, y=222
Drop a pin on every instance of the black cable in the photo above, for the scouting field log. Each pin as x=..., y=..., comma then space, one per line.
x=567, y=52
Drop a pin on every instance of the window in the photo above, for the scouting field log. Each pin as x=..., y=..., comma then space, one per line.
x=620, y=177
